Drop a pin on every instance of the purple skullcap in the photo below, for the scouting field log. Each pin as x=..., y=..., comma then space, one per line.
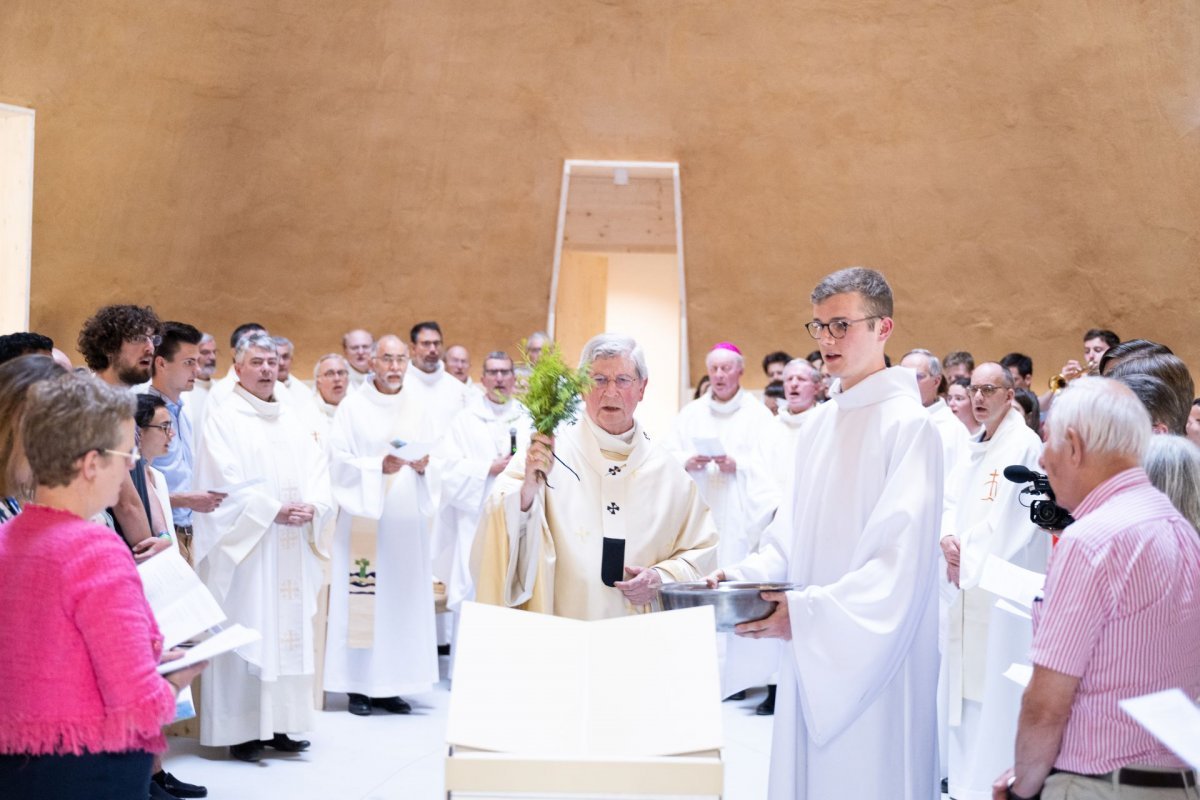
x=730, y=346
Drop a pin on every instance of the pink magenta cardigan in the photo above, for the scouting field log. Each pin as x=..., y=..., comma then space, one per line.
x=78, y=643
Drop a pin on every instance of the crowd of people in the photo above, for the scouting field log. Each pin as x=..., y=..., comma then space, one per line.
x=324, y=514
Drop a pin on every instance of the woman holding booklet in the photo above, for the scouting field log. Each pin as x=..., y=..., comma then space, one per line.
x=81, y=702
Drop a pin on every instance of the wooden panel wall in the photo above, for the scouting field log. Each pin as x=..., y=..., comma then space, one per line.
x=1021, y=170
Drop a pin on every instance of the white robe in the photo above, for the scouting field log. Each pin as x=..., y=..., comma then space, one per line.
x=855, y=709
x=403, y=658
x=983, y=511
x=323, y=420
x=266, y=576
x=742, y=505
x=548, y=558
x=193, y=408
x=357, y=379
x=440, y=395
x=476, y=437
x=953, y=433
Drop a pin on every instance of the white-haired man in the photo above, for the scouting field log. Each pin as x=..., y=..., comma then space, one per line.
x=931, y=383
x=1120, y=617
x=736, y=485
x=382, y=640
x=207, y=363
x=477, y=447
x=331, y=377
x=257, y=552
x=298, y=390
x=856, y=707
x=619, y=505
x=801, y=384
x=984, y=518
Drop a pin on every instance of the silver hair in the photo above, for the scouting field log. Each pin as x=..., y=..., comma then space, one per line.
x=741, y=361
x=615, y=345
x=545, y=337
x=498, y=355
x=935, y=363
x=206, y=337
x=255, y=341
x=874, y=288
x=326, y=357
x=806, y=369
x=283, y=341
x=1107, y=416
x=1173, y=464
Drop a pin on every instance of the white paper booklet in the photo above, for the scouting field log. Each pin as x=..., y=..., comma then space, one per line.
x=231, y=638
x=1011, y=582
x=643, y=685
x=182, y=605
x=411, y=451
x=708, y=446
x=233, y=488
x=1172, y=718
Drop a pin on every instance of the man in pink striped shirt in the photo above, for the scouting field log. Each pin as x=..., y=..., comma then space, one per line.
x=1120, y=618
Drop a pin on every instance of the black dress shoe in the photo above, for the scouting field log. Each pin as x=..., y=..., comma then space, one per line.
x=250, y=751
x=283, y=744
x=395, y=705
x=176, y=787
x=767, y=707
x=360, y=704
x=737, y=696
x=159, y=793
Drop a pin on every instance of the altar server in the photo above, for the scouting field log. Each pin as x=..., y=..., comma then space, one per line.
x=382, y=639
x=855, y=710
x=620, y=504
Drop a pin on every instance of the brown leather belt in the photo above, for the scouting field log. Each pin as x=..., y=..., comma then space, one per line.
x=1146, y=779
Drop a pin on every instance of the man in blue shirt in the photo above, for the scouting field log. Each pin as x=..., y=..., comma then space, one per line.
x=176, y=365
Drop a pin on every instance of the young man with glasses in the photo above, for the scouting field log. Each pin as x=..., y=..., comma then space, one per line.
x=855, y=712
x=984, y=518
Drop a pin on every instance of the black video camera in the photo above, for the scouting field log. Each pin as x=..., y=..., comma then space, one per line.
x=1044, y=513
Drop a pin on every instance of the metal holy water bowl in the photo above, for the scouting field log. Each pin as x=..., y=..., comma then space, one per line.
x=733, y=602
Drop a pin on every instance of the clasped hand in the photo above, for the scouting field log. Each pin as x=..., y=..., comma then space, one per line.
x=295, y=514
x=392, y=464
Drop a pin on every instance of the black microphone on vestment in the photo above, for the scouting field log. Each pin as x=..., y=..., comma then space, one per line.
x=512, y=441
x=612, y=562
x=1021, y=474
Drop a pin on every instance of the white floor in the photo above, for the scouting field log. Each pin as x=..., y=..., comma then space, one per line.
x=390, y=757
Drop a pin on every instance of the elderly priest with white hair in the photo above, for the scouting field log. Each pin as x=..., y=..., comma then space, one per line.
x=591, y=522
x=258, y=554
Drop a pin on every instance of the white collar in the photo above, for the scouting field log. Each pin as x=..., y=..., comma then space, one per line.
x=729, y=407
x=263, y=408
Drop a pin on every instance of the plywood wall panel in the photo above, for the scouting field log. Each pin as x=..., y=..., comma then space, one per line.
x=1021, y=170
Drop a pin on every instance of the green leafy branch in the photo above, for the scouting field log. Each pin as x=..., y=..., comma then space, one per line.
x=554, y=390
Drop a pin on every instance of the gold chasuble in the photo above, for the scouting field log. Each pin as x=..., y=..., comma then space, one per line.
x=622, y=488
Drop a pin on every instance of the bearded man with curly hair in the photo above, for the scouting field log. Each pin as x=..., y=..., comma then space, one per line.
x=118, y=343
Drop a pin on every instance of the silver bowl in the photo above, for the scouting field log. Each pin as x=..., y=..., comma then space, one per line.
x=733, y=602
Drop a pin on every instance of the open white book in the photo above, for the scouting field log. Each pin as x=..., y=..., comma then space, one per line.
x=643, y=685
x=184, y=608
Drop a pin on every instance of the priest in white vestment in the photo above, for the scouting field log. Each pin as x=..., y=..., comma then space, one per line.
x=357, y=345
x=194, y=408
x=382, y=640
x=954, y=436
x=984, y=518
x=719, y=439
x=258, y=554
x=599, y=495
x=440, y=394
x=855, y=710
x=331, y=377
x=478, y=446
x=801, y=383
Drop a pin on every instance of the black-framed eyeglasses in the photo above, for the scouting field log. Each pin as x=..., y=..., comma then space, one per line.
x=497, y=373
x=153, y=339
x=165, y=427
x=335, y=373
x=985, y=389
x=837, y=328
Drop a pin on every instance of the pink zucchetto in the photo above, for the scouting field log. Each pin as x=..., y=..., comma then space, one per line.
x=730, y=346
